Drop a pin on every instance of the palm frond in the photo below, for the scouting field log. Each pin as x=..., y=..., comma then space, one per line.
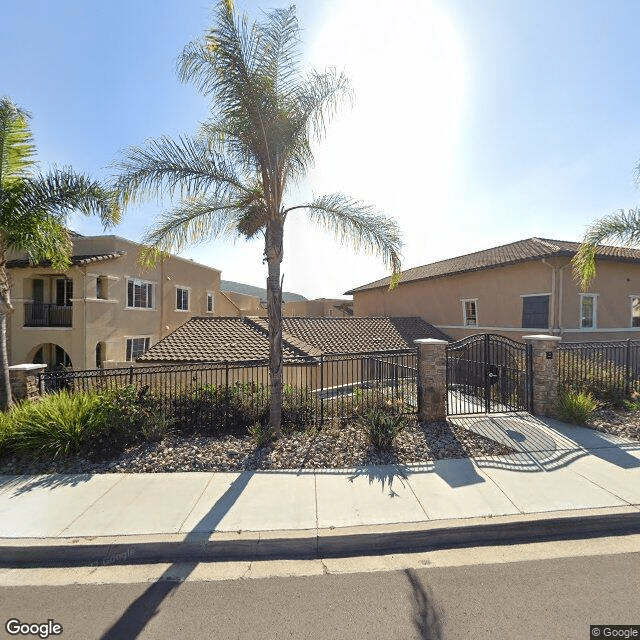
x=188, y=165
x=192, y=222
x=62, y=191
x=359, y=225
x=280, y=51
x=17, y=151
x=622, y=227
x=41, y=237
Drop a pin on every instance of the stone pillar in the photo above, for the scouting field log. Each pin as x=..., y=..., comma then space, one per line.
x=545, y=373
x=24, y=381
x=432, y=379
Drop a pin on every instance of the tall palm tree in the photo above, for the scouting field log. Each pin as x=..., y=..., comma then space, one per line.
x=621, y=226
x=33, y=212
x=232, y=178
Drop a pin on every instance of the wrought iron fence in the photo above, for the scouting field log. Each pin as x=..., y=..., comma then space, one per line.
x=231, y=394
x=610, y=371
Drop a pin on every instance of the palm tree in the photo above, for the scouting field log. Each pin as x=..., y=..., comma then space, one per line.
x=33, y=211
x=622, y=227
x=232, y=178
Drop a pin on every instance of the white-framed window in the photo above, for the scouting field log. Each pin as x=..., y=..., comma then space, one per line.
x=588, y=310
x=136, y=347
x=139, y=294
x=470, y=312
x=635, y=311
x=209, y=302
x=182, y=299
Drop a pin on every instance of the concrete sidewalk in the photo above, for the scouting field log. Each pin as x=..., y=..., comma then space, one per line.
x=562, y=480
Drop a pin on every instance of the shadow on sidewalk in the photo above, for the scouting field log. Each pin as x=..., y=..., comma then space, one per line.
x=138, y=614
x=25, y=483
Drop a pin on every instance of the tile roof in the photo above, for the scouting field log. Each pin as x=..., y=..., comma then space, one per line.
x=520, y=251
x=78, y=261
x=219, y=339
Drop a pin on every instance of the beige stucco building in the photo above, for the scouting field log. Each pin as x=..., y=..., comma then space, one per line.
x=517, y=289
x=105, y=310
x=318, y=308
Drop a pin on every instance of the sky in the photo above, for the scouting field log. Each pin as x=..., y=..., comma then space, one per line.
x=475, y=122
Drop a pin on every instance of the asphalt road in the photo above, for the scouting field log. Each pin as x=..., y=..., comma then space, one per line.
x=542, y=597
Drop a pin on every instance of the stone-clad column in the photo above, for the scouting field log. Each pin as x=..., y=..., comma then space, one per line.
x=24, y=380
x=545, y=373
x=432, y=379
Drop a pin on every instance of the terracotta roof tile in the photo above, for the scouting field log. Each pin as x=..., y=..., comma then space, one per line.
x=220, y=339
x=520, y=251
x=79, y=261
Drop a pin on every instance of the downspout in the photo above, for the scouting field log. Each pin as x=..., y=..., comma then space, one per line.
x=553, y=295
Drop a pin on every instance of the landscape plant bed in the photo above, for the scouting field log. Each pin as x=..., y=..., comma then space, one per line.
x=625, y=424
x=333, y=447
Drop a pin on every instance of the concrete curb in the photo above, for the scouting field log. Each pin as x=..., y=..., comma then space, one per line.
x=313, y=544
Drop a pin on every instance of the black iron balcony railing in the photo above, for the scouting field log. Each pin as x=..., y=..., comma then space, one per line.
x=38, y=314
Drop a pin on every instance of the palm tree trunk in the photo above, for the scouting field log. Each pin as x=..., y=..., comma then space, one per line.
x=273, y=254
x=5, y=309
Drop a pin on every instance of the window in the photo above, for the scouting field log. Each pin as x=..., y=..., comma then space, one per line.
x=210, y=302
x=635, y=311
x=64, y=292
x=139, y=294
x=470, y=313
x=136, y=347
x=587, y=311
x=182, y=299
x=535, y=312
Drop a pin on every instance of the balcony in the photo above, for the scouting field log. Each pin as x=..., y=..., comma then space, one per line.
x=38, y=314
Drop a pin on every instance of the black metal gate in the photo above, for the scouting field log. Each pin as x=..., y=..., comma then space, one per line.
x=488, y=373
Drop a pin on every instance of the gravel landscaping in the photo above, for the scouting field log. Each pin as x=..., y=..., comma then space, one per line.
x=331, y=448
x=624, y=424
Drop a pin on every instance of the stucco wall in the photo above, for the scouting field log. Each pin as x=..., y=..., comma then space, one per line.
x=498, y=292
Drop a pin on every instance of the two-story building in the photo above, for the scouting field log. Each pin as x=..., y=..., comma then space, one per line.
x=516, y=289
x=105, y=310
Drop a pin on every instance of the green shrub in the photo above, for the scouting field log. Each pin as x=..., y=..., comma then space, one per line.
x=6, y=432
x=597, y=376
x=262, y=435
x=382, y=425
x=56, y=425
x=576, y=407
x=131, y=415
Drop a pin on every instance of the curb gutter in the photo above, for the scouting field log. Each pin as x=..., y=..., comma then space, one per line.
x=314, y=544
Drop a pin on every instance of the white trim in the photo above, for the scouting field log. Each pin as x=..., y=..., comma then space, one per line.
x=604, y=330
x=127, y=338
x=595, y=310
x=154, y=293
x=461, y=326
x=533, y=295
x=464, y=311
x=213, y=301
x=175, y=298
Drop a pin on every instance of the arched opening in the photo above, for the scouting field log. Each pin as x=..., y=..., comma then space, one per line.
x=53, y=355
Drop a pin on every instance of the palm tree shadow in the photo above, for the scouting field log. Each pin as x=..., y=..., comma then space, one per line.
x=425, y=616
x=138, y=614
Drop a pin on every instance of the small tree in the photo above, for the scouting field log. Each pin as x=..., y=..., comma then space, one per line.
x=233, y=177
x=33, y=212
x=621, y=226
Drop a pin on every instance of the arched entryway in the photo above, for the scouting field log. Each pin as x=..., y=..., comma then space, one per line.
x=53, y=355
